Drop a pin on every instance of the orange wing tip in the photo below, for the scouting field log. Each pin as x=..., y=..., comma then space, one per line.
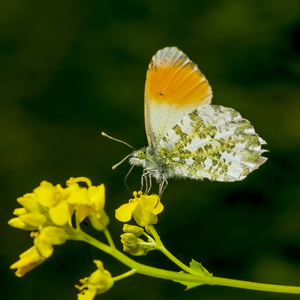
x=174, y=87
x=174, y=79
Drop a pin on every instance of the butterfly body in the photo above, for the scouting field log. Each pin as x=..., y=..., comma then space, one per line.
x=187, y=136
x=151, y=162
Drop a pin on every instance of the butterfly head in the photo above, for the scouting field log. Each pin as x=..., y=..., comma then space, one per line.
x=138, y=157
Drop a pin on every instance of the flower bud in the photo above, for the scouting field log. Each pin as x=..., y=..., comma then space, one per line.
x=137, y=250
x=129, y=239
x=136, y=230
x=134, y=245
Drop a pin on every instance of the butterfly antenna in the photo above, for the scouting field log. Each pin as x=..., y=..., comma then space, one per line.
x=114, y=139
x=125, y=179
x=116, y=165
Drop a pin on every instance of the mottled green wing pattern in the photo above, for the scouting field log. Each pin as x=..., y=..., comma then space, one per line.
x=212, y=142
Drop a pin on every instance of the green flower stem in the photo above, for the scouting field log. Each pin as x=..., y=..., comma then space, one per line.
x=124, y=275
x=183, y=277
x=168, y=254
x=109, y=238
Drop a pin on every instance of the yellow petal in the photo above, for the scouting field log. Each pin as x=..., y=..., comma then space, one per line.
x=97, y=194
x=60, y=214
x=46, y=194
x=147, y=210
x=124, y=212
x=17, y=223
x=156, y=205
x=19, y=211
x=153, y=204
x=28, y=260
x=82, y=211
x=30, y=203
x=79, y=196
x=142, y=216
x=34, y=220
x=43, y=245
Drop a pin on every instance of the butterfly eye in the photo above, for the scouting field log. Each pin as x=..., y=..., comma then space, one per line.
x=141, y=154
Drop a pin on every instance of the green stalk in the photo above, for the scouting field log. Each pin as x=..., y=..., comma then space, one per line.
x=109, y=238
x=124, y=275
x=170, y=275
x=168, y=254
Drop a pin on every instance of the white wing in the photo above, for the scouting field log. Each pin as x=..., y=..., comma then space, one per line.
x=212, y=142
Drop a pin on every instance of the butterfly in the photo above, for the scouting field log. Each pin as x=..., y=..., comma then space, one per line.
x=188, y=137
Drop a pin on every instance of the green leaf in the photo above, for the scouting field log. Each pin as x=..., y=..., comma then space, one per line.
x=197, y=267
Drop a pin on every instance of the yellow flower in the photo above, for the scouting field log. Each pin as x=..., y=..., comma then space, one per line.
x=99, y=282
x=47, y=205
x=47, y=212
x=54, y=205
x=47, y=237
x=30, y=216
x=89, y=203
x=28, y=261
x=143, y=208
x=54, y=199
x=41, y=250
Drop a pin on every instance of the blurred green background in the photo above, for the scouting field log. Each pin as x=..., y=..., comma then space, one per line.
x=71, y=69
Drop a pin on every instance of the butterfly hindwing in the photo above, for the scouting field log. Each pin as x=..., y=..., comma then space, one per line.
x=212, y=142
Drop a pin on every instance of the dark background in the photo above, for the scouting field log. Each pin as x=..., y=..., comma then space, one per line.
x=71, y=69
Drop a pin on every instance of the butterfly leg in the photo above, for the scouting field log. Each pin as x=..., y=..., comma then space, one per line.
x=142, y=181
x=162, y=186
x=145, y=178
x=150, y=182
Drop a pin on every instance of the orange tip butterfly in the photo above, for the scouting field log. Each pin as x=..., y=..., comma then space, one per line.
x=188, y=137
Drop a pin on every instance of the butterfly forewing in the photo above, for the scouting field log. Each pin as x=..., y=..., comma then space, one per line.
x=174, y=88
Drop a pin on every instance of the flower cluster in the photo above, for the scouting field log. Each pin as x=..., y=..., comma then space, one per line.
x=97, y=283
x=48, y=211
x=53, y=214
